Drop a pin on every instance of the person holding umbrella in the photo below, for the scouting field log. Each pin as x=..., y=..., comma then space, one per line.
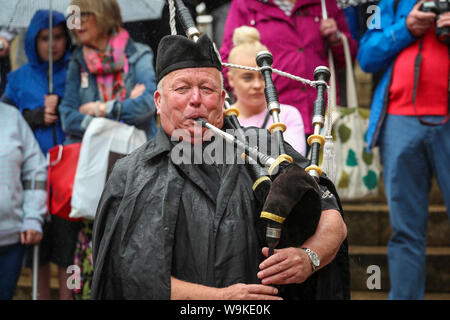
x=28, y=89
x=27, y=86
x=110, y=76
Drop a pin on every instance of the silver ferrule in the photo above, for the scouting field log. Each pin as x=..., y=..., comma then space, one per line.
x=318, y=119
x=314, y=173
x=273, y=232
x=274, y=106
x=193, y=33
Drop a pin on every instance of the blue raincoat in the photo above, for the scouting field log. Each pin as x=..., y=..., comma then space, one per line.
x=27, y=85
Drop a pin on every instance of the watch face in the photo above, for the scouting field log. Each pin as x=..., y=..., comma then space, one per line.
x=314, y=257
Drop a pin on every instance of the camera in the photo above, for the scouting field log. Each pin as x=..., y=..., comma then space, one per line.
x=438, y=7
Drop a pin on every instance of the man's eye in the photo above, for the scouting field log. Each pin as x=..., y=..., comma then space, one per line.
x=181, y=89
x=207, y=89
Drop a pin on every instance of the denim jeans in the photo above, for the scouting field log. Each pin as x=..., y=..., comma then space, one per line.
x=10, y=267
x=411, y=153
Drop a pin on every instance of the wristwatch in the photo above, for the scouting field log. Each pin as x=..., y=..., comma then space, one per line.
x=313, y=258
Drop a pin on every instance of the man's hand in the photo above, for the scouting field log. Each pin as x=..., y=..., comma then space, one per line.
x=444, y=20
x=285, y=266
x=182, y=290
x=30, y=237
x=137, y=91
x=329, y=30
x=50, y=104
x=5, y=45
x=242, y=291
x=419, y=22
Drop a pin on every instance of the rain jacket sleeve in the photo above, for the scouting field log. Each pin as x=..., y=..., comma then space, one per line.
x=379, y=46
x=71, y=118
x=141, y=109
x=34, y=170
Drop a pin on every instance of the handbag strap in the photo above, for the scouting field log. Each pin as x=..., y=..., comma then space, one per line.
x=352, y=98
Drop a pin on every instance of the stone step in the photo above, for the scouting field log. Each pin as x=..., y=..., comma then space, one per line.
x=363, y=257
x=25, y=284
x=369, y=224
x=435, y=196
x=377, y=295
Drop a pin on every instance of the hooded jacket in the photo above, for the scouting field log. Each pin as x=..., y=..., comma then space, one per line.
x=27, y=85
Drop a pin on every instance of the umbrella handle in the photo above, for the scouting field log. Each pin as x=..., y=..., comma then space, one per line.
x=50, y=54
x=35, y=271
x=324, y=10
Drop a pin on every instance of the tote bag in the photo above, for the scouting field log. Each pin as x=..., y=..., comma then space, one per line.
x=104, y=142
x=357, y=172
x=62, y=165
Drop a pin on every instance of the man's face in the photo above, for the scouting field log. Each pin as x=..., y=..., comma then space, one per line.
x=188, y=94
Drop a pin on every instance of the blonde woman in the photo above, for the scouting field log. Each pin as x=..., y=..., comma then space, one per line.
x=248, y=88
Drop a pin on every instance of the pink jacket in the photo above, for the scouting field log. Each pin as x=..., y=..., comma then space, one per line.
x=295, y=42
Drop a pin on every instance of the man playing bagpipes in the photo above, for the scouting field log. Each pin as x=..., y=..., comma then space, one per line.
x=168, y=229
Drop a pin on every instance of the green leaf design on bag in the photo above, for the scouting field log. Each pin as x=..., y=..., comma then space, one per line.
x=364, y=113
x=370, y=180
x=344, y=133
x=367, y=157
x=344, y=181
x=346, y=111
x=352, y=161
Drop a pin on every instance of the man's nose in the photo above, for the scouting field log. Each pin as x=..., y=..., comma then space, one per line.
x=195, y=99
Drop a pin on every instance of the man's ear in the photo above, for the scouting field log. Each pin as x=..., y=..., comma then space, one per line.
x=157, y=98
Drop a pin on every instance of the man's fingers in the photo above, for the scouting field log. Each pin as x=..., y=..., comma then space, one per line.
x=262, y=289
x=264, y=297
x=444, y=20
x=273, y=259
x=425, y=16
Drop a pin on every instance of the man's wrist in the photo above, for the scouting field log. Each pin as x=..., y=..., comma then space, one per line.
x=313, y=259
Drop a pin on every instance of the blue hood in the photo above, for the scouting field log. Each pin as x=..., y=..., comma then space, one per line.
x=40, y=21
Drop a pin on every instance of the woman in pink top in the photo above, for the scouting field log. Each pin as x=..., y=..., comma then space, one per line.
x=298, y=38
x=248, y=88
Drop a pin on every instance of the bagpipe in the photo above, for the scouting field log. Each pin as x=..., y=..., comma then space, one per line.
x=288, y=194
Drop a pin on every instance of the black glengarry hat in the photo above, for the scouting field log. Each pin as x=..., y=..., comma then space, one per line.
x=178, y=52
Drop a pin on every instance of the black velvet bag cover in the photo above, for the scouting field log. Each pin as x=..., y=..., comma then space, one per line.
x=294, y=195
